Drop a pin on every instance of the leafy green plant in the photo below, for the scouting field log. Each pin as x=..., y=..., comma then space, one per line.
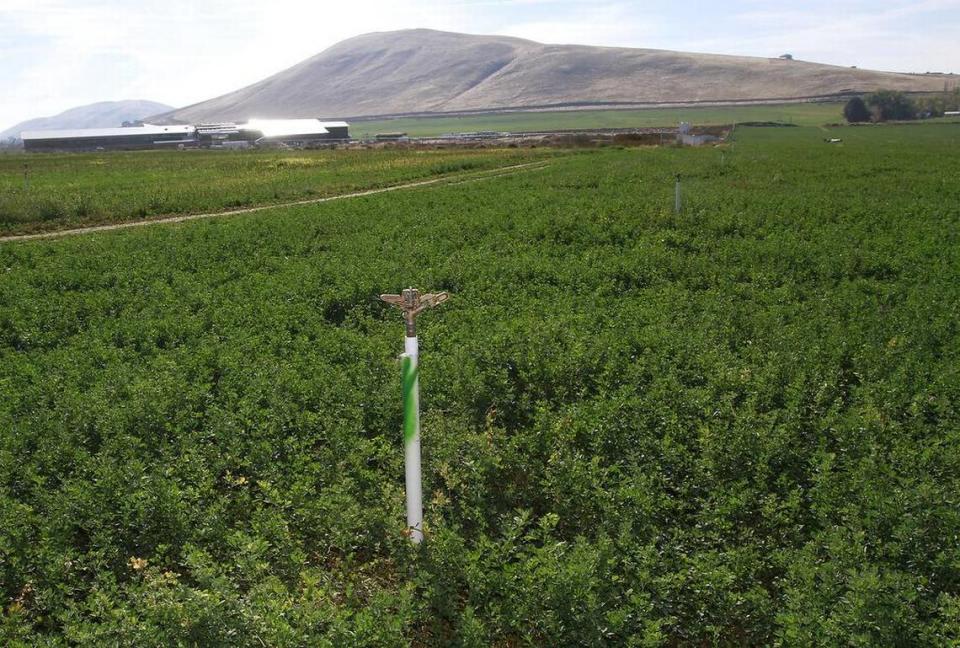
x=733, y=426
x=68, y=190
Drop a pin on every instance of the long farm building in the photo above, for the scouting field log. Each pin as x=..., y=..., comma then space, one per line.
x=255, y=132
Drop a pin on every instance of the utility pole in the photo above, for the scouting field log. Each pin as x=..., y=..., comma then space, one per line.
x=412, y=303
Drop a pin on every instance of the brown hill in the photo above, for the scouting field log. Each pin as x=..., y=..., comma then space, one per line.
x=426, y=71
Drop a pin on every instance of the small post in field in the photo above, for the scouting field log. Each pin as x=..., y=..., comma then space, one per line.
x=26, y=177
x=412, y=303
x=676, y=196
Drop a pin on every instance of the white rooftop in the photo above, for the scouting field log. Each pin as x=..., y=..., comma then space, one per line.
x=146, y=129
x=286, y=127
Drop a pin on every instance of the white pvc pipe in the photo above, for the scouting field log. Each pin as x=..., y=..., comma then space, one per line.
x=411, y=439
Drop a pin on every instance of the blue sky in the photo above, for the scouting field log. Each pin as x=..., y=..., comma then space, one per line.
x=57, y=54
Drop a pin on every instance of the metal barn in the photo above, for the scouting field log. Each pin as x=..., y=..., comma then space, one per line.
x=146, y=136
x=296, y=132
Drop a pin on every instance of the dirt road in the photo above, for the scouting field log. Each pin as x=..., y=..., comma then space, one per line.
x=449, y=179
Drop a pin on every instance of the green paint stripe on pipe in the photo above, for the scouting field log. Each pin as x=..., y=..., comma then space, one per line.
x=409, y=400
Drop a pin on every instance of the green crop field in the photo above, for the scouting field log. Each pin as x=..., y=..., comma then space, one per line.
x=48, y=192
x=739, y=425
x=807, y=114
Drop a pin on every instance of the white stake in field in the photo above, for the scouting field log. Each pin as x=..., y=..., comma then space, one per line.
x=412, y=303
x=677, y=202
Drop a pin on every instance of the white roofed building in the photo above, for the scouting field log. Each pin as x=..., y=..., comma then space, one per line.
x=286, y=130
x=91, y=139
x=148, y=136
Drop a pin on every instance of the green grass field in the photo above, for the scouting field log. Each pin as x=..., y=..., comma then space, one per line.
x=68, y=190
x=812, y=114
x=49, y=192
x=739, y=425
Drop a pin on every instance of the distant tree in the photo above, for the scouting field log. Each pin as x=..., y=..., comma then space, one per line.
x=951, y=100
x=936, y=105
x=786, y=57
x=856, y=111
x=891, y=104
x=930, y=107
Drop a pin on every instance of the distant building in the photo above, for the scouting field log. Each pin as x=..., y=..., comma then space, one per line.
x=219, y=134
x=687, y=137
x=339, y=130
x=146, y=136
x=291, y=132
x=280, y=131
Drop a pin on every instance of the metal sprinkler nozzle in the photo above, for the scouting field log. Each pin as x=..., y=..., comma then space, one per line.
x=412, y=303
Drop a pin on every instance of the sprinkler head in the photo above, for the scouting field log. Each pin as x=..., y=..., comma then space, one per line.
x=412, y=303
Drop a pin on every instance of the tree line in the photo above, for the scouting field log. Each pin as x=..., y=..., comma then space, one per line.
x=893, y=105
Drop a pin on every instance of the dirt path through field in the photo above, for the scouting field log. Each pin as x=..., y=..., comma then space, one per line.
x=449, y=179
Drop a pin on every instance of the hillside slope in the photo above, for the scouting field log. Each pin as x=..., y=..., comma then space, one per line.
x=104, y=114
x=421, y=70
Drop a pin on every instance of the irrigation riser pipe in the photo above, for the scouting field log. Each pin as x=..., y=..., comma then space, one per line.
x=411, y=438
x=412, y=303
